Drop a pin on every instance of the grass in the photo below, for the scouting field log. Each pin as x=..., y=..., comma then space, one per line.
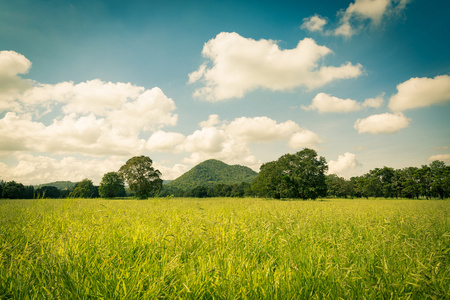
x=224, y=249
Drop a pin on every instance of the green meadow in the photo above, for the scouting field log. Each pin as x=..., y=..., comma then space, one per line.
x=224, y=248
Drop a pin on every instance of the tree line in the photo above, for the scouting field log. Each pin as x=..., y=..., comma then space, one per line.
x=294, y=176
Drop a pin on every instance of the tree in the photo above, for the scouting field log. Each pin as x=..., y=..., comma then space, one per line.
x=48, y=191
x=440, y=175
x=13, y=190
x=300, y=175
x=141, y=177
x=112, y=185
x=83, y=189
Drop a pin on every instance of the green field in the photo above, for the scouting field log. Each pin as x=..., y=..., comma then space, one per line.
x=224, y=249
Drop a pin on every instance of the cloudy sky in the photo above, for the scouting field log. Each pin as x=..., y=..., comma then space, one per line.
x=86, y=85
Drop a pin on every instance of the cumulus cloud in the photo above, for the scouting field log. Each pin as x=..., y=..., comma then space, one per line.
x=241, y=65
x=374, y=102
x=98, y=118
x=32, y=169
x=11, y=65
x=304, y=139
x=229, y=141
x=382, y=123
x=165, y=141
x=261, y=129
x=441, y=157
x=314, y=23
x=325, y=103
x=212, y=121
x=343, y=164
x=357, y=16
x=421, y=92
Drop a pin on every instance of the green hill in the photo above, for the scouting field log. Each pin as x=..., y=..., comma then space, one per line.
x=62, y=185
x=212, y=172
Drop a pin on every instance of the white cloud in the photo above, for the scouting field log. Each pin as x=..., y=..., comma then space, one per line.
x=212, y=121
x=230, y=142
x=165, y=141
x=261, y=129
x=382, y=123
x=421, y=92
x=374, y=102
x=108, y=122
x=41, y=169
x=11, y=85
x=441, y=157
x=367, y=9
x=325, y=103
x=314, y=23
x=304, y=139
x=13, y=63
x=170, y=173
x=357, y=16
x=241, y=65
x=208, y=140
x=345, y=163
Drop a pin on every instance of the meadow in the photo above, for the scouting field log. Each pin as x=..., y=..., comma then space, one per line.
x=224, y=248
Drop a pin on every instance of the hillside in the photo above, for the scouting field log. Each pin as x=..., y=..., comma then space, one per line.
x=62, y=185
x=212, y=172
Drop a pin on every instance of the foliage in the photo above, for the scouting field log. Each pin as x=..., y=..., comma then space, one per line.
x=210, y=173
x=300, y=175
x=141, y=177
x=431, y=181
x=224, y=249
x=84, y=189
x=48, y=192
x=112, y=185
x=13, y=190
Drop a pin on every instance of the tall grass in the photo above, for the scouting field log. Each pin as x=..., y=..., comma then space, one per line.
x=224, y=249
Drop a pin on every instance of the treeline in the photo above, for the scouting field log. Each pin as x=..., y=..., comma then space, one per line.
x=16, y=190
x=428, y=181
x=300, y=175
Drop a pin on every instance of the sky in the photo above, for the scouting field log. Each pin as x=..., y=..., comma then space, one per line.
x=86, y=85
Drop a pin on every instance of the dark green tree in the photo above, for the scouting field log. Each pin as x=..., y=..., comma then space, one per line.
x=141, y=177
x=13, y=190
x=48, y=192
x=112, y=185
x=83, y=189
x=299, y=175
x=440, y=176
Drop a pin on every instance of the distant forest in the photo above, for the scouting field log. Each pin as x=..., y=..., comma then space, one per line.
x=426, y=182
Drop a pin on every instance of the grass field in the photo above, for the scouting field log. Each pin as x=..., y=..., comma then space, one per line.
x=224, y=249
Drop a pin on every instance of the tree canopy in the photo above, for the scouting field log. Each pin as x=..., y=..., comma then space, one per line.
x=112, y=185
x=141, y=177
x=299, y=175
x=84, y=189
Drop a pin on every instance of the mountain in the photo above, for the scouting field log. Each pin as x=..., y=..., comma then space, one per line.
x=212, y=172
x=62, y=185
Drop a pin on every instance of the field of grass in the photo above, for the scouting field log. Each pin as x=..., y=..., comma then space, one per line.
x=224, y=249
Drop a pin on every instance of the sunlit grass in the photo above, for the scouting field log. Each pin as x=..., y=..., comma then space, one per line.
x=224, y=249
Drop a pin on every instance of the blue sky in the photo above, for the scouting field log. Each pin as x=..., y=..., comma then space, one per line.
x=86, y=85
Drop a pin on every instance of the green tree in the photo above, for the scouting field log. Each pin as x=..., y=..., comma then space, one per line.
x=440, y=176
x=300, y=175
x=141, y=177
x=13, y=190
x=48, y=191
x=112, y=185
x=83, y=189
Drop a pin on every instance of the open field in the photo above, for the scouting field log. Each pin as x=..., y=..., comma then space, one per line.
x=224, y=249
